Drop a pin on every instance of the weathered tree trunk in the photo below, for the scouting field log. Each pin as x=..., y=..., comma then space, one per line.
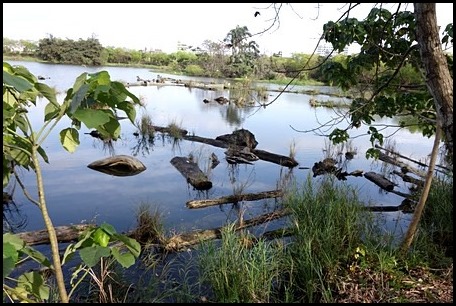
x=235, y=198
x=404, y=167
x=275, y=158
x=192, y=173
x=440, y=84
x=170, y=131
x=64, y=234
x=438, y=77
x=379, y=180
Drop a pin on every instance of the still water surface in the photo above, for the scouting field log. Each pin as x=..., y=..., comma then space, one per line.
x=78, y=194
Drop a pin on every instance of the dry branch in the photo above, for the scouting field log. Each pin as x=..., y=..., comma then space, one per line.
x=66, y=233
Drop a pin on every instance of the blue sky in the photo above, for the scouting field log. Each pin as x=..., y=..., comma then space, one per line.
x=162, y=25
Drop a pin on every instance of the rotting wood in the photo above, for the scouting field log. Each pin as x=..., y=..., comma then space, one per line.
x=170, y=131
x=379, y=180
x=192, y=173
x=65, y=233
x=235, y=198
x=186, y=240
x=275, y=158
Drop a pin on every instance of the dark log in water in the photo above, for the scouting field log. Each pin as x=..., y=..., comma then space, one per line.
x=119, y=165
x=192, y=173
x=275, y=158
x=235, y=198
x=171, y=131
x=379, y=180
x=66, y=233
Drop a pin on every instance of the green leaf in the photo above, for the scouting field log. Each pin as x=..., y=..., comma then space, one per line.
x=130, y=243
x=92, y=255
x=10, y=257
x=47, y=92
x=69, y=138
x=19, y=83
x=101, y=237
x=125, y=259
x=112, y=128
x=79, y=81
x=34, y=283
x=51, y=111
x=92, y=118
x=78, y=96
x=37, y=256
x=129, y=109
x=43, y=154
x=102, y=78
x=108, y=228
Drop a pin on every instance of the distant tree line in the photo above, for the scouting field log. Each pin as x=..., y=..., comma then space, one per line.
x=235, y=57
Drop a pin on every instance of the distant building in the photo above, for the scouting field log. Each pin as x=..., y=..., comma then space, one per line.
x=324, y=49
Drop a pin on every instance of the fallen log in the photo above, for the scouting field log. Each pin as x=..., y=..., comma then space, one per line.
x=409, y=179
x=404, y=167
x=235, y=198
x=118, y=165
x=192, y=173
x=64, y=234
x=183, y=241
x=275, y=158
x=379, y=180
x=210, y=141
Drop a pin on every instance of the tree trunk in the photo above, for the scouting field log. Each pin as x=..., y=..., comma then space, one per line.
x=438, y=78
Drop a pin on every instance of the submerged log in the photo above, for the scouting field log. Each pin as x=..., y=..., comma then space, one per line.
x=119, y=165
x=404, y=167
x=235, y=198
x=192, y=173
x=64, y=234
x=170, y=131
x=275, y=158
x=182, y=241
x=379, y=180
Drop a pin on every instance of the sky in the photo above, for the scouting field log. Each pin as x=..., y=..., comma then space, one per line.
x=162, y=25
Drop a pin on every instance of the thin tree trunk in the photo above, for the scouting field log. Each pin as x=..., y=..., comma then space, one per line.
x=427, y=186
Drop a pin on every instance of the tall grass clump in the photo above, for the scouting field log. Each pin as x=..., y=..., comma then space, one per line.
x=240, y=271
x=434, y=239
x=328, y=224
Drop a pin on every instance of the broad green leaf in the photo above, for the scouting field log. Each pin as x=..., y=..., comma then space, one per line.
x=78, y=83
x=125, y=259
x=129, y=109
x=102, y=78
x=34, y=283
x=120, y=88
x=51, y=111
x=10, y=257
x=78, y=96
x=25, y=73
x=112, y=128
x=92, y=255
x=130, y=243
x=47, y=92
x=69, y=138
x=108, y=228
x=101, y=237
x=22, y=123
x=92, y=118
x=19, y=83
x=37, y=256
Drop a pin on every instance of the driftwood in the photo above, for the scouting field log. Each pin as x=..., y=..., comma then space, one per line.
x=379, y=180
x=235, y=198
x=64, y=234
x=409, y=179
x=410, y=159
x=119, y=165
x=182, y=241
x=192, y=173
x=404, y=167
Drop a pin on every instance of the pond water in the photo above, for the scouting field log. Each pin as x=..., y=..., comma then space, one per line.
x=78, y=194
